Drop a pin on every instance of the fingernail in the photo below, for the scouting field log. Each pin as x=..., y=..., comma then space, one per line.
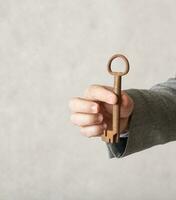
x=94, y=108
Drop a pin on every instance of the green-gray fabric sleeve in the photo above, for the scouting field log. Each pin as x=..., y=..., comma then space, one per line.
x=153, y=120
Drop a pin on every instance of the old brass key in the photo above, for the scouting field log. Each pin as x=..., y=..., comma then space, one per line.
x=112, y=136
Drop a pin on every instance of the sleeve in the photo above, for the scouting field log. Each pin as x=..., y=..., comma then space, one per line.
x=153, y=121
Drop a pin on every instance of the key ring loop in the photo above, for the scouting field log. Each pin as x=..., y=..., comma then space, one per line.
x=126, y=65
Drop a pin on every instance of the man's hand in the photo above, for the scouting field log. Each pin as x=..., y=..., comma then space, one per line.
x=93, y=112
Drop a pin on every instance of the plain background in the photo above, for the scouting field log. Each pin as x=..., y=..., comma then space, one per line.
x=52, y=50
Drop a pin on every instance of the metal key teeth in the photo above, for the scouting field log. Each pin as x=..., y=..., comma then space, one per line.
x=112, y=136
x=109, y=136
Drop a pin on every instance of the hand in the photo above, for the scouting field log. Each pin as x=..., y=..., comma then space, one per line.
x=93, y=112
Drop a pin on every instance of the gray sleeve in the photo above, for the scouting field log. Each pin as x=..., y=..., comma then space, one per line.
x=153, y=120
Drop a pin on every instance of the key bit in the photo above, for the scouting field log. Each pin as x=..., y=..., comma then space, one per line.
x=112, y=136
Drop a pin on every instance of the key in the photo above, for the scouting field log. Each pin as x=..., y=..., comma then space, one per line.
x=112, y=136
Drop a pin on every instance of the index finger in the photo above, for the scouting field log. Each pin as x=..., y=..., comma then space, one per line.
x=101, y=93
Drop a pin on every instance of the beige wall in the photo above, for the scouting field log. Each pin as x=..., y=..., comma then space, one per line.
x=51, y=50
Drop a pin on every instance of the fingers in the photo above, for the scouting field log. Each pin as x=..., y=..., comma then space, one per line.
x=83, y=106
x=80, y=105
x=100, y=93
x=93, y=131
x=97, y=130
x=81, y=119
x=90, y=115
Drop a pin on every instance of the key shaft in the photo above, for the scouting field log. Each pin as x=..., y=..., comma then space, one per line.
x=116, y=107
x=112, y=135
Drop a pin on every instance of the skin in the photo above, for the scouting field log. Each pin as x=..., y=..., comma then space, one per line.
x=92, y=113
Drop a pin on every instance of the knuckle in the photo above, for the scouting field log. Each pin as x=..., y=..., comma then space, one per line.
x=99, y=117
x=129, y=103
x=97, y=107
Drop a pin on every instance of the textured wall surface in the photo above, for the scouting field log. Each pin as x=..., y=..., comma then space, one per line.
x=50, y=51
